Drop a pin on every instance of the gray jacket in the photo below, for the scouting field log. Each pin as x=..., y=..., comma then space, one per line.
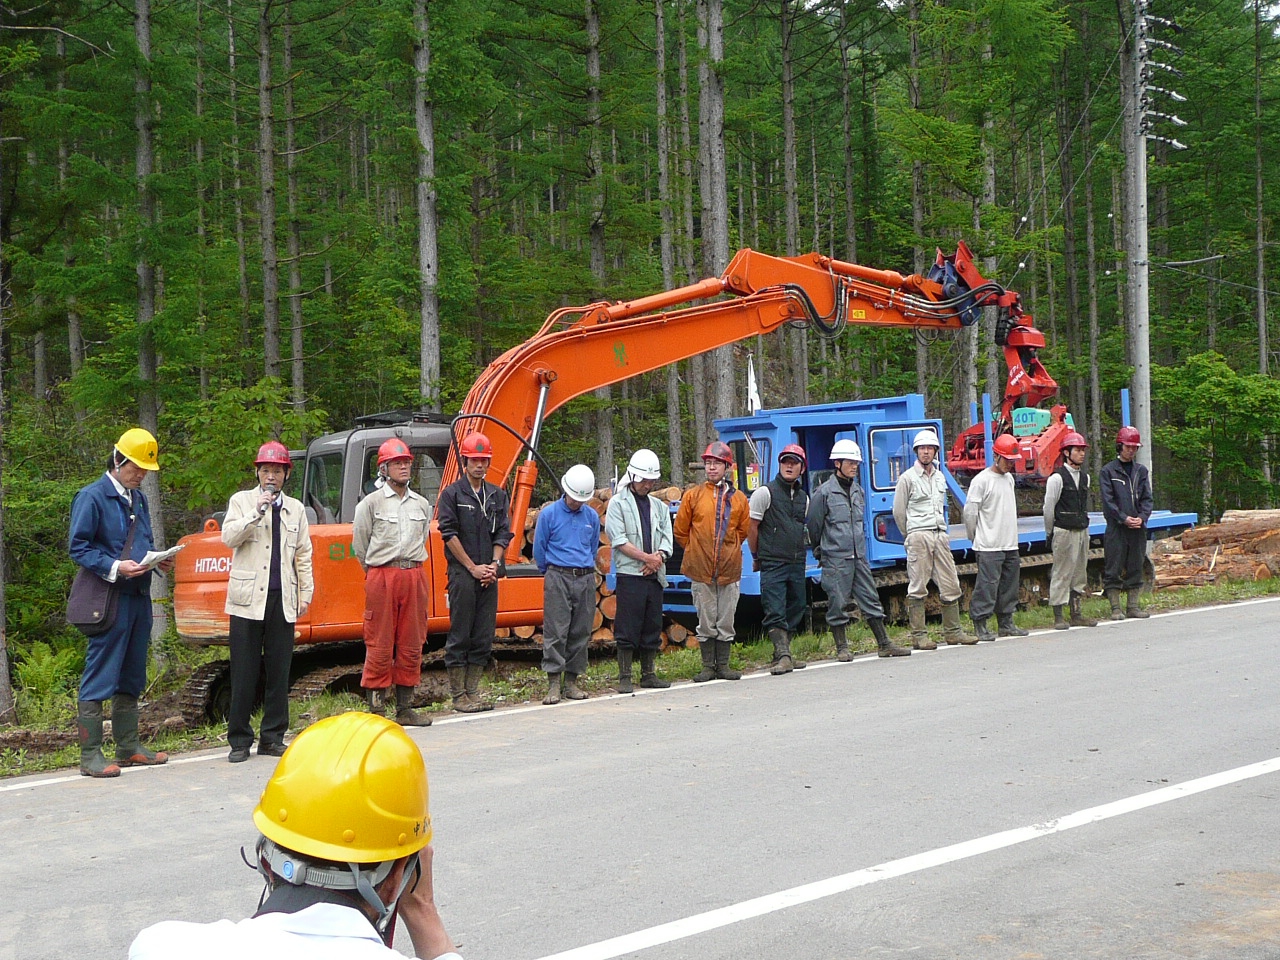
x=835, y=521
x=622, y=525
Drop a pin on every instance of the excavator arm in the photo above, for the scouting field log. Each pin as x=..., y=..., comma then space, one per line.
x=579, y=349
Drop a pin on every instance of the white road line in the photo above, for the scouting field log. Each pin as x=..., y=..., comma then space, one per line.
x=771, y=903
x=219, y=753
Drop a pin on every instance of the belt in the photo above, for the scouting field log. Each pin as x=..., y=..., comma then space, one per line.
x=404, y=564
x=572, y=571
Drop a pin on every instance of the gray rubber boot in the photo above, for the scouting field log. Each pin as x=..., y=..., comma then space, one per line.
x=781, y=652
x=723, y=649
x=1059, y=619
x=919, y=632
x=884, y=646
x=982, y=630
x=1133, y=611
x=649, y=671
x=458, y=688
x=89, y=725
x=952, y=631
x=1113, y=598
x=124, y=728
x=625, y=656
x=553, y=689
x=406, y=716
x=796, y=663
x=842, y=642
x=708, y=648
x=1078, y=619
x=471, y=680
x=376, y=699
x=571, y=689
x=1005, y=627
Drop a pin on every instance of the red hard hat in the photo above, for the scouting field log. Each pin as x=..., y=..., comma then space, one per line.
x=794, y=450
x=476, y=445
x=273, y=451
x=1073, y=439
x=1129, y=435
x=718, y=450
x=393, y=449
x=1007, y=447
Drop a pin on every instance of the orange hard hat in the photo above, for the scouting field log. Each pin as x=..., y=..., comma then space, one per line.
x=273, y=451
x=718, y=450
x=1007, y=447
x=1130, y=436
x=393, y=449
x=476, y=445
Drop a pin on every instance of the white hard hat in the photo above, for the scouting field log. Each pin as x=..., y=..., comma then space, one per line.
x=846, y=450
x=644, y=465
x=579, y=483
x=926, y=438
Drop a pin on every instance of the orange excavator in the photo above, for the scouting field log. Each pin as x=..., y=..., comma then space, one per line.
x=577, y=350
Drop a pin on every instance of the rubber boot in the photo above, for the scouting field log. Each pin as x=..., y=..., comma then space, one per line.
x=1007, y=628
x=649, y=671
x=723, y=672
x=842, y=642
x=952, y=631
x=1078, y=619
x=376, y=698
x=458, y=688
x=919, y=632
x=571, y=689
x=1113, y=597
x=885, y=646
x=980, y=628
x=124, y=728
x=471, y=679
x=89, y=724
x=796, y=663
x=553, y=689
x=1133, y=611
x=406, y=716
x=708, y=648
x=781, y=652
x=1059, y=621
x=625, y=656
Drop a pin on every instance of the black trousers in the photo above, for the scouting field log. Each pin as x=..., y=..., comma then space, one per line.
x=637, y=624
x=995, y=589
x=473, y=614
x=783, y=595
x=1123, y=553
x=260, y=648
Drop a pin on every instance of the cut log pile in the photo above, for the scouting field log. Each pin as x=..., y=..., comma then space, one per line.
x=673, y=634
x=1245, y=545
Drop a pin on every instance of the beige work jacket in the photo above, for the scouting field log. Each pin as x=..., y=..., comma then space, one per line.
x=248, y=534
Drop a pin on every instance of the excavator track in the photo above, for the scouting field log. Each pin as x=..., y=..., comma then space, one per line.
x=206, y=696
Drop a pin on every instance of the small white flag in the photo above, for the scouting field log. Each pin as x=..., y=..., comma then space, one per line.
x=753, y=392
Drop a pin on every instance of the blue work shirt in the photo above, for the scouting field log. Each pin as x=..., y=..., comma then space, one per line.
x=566, y=538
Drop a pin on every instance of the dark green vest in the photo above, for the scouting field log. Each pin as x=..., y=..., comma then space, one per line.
x=781, y=535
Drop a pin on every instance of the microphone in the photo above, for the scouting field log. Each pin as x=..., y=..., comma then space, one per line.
x=271, y=489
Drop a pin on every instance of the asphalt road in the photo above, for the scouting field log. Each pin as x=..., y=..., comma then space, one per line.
x=1090, y=793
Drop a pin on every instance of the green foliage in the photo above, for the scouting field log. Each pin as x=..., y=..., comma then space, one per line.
x=45, y=685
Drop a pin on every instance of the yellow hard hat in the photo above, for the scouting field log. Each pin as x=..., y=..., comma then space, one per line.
x=139, y=446
x=350, y=788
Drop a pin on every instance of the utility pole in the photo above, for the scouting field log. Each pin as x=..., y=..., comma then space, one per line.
x=1139, y=116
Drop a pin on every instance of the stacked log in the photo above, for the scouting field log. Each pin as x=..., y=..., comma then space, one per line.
x=1245, y=545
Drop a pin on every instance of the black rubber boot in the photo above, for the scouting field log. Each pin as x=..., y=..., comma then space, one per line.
x=723, y=671
x=884, y=646
x=649, y=671
x=472, y=677
x=625, y=656
x=1005, y=627
x=981, y=630
x=406, y=716
x=1113, y=598
x=1078, y=619
x=919, y=632
x=89, y=725
x=124, y=728
x=553, y=689
x=1059, y=619
x=781, y=652
x=376, y=699
x=1133, y=611
x=571, y=689
x=708, y=648
x=842, y=642
x=796, y=663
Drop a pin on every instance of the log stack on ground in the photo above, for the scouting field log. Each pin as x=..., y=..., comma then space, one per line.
x=1245, y=545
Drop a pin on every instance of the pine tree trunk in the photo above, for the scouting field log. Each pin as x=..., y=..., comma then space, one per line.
x=595, y=162
x=297, y=370
x=1070, y=261
x=675, y=440
x=242, y=252
x=8, y=713
x=1260, y=224
x=917, y=195
x=267, y=200
x=428, y=252
x=792, y=337
x=202, y=200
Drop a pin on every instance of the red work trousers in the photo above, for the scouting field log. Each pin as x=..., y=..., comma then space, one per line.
x=395, y=627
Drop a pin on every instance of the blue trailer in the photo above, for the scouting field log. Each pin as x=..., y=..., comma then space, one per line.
x=883, y=428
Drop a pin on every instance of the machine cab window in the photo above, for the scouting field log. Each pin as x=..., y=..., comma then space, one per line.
x=889, y=455
x=753, y=459
x=428, y=467
x=322, y=489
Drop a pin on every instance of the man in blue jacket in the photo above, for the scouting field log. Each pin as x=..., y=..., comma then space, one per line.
x=115, y=666
x=1126, y=503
